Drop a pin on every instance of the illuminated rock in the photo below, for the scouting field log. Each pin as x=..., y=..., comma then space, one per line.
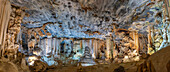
x=87, y=60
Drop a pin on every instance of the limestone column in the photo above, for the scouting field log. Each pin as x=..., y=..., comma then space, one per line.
x=83, y=45
x=91, y=45
x=149, y=41
x=75, y=46
x=49, y=45
x=149, y=36
x=114, y=50
x=137, y=41
x=94, y=49
x=134, y=41
x=57, y=46
x=5, y=10
x=44, y=46
x=97, y=47
x=108, y=46
x=53, y=46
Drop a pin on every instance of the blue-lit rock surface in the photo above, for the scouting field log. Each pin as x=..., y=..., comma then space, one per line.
x=74, y=18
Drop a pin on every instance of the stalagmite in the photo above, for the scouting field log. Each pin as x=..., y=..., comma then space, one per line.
x=87, y=58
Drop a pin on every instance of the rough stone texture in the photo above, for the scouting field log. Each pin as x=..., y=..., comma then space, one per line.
x=5, y=10
x=93, y=19
x=48, y=20
x=17, y=64
x=8, y=67
x=160, y=59
x=13, y=37
x=83, y=17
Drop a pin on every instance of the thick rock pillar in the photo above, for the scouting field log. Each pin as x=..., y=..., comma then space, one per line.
x=108, y=46
x=5, y=10
x=54, y=46
x=95, y=48
x=57, y=46
x=137, y=41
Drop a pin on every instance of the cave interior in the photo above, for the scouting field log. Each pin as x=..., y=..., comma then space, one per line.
x=84, y=36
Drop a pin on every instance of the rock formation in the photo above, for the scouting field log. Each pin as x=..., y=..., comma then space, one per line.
x=106, y=35
x=87, y=60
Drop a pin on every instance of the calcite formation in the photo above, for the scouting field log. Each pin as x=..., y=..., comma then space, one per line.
x=47, y=37
x=5, y=11
x=58, y=35
x=13, y=38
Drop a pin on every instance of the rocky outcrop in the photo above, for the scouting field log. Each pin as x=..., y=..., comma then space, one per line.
x=160, y=60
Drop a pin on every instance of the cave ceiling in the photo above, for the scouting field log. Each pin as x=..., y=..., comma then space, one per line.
x=81, y=16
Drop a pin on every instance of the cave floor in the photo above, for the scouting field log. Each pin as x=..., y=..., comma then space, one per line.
x=113, y=67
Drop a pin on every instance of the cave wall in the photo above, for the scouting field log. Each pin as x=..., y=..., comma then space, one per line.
x=46, y=21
